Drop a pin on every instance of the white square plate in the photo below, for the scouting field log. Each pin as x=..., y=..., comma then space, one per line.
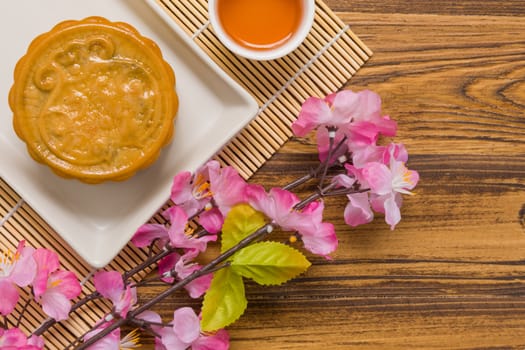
x=98, y=220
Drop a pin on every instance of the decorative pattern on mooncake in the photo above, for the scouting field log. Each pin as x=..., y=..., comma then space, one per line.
x=94, y=100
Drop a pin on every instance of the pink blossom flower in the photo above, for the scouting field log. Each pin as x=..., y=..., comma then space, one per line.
x=318, y=237
x=110, y=285
x=387, y=183
x=210, y=186
x=186, y=332
x=278, y=205
x=191, y=192
x=348, y=119
x=177, y=233
x=227, y=186
x=197, y=287
x=54, y=288
x=358, y=113
x=357, y=211
x=368, y=112
x=16, y=269
x=148, y=233
x=180, y=237
x=15, y=339
x=397, y=151
x=335, y=110
x=112, y=341
x=323, y=144
x=174, y=264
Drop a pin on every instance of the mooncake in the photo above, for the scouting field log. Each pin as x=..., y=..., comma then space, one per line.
x=94, y=100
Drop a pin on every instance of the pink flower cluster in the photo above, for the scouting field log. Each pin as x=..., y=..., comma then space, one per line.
x=206, y=197
x=348, y=126
x=53, y=288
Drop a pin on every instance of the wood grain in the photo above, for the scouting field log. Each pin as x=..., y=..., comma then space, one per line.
x=452, y=274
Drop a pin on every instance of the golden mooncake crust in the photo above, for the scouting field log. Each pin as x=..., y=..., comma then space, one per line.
x=94, y=100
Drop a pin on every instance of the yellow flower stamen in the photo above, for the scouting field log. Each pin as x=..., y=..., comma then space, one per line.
x=130, y=340
x=188, y=231
x=7, y=260
x=201, y=187
x=55, y=283
x=199, y=179
x=292, y=239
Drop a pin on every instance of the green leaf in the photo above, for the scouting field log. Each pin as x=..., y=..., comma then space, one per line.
x=269, y=263
x=241, y=221
x=224, y=301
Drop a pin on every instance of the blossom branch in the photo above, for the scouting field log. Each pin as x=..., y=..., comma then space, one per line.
x=23, y=311
x=210, y=267
x=216, y=264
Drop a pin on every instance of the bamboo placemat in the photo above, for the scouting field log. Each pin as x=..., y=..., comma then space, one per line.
x=325, y=61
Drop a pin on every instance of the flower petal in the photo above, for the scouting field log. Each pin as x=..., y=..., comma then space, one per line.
x=55, y=304
x=147, y=233
x=344, y=106
x=228, y=188
x=197, y=287
x=36, y=341
x=320, y=240
x=358, y=211
x=314, y=112
x=343, y=180
x=211, y=220
x=178, y=219
x=283, y=202
x=378, y=177
x=66, y=282
x=151, y=317
x=186, y=324
x=25, y=267
x=10, y=296
x=392, y=212
x=369, y=106
x=387, y=126
x=218, y=341
x=126, y=301
x=170, y=340
x=46, y=261
x=109, y=284
x=181, y=189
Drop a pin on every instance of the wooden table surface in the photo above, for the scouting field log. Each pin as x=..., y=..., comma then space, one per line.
x=452, y=274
